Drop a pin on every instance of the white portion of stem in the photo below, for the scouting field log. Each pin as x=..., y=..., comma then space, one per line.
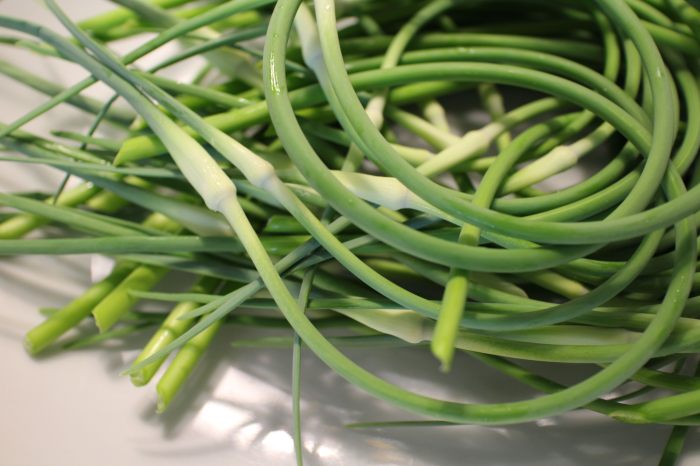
x=435, y=114
x=401, y=323
x=387, y=192
x=255, y=169
x=200, y=170
x=493, y=130
x=555, y=161
x=471, y=145
x=375, y=110
x=305, y=26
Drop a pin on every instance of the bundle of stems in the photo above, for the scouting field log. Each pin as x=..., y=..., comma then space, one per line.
x=373, y=174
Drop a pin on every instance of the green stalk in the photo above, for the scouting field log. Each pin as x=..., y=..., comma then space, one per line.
x=504, y=260
x=674, y=446
x=19, y=225
x=492, y=100
x=162, y=38
x=51, y=89
x=232, y=62
x=119, y=301
x=171, y=328
x=44, y=334
x=182, y=365
x=303, y=298
x=105, y=21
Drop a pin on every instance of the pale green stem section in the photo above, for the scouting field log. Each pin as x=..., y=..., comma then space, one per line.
x=44, y=334
x=182, y=365
x=438, y=138
x=171, y=328
x=557, y=283
x=474, y=143
x=492, y=100
x=435, y=113
x=120, y=300
x=556, y=161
